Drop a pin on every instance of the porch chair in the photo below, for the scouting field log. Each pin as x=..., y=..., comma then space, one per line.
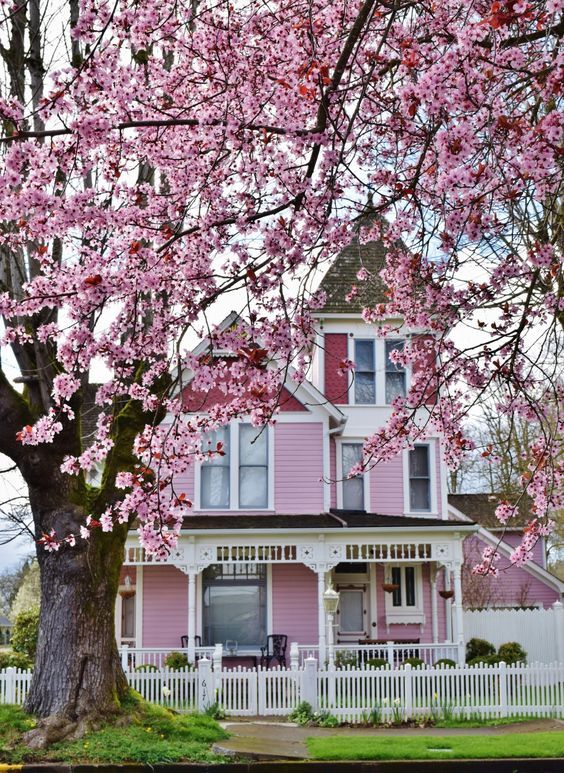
x=274, y=649
x=184, y=642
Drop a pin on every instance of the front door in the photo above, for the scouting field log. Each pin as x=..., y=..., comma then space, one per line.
x=351, y=614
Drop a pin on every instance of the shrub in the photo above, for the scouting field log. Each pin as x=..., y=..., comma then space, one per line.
x=414, y=662
x=302, y=714
x=215, y=711
x=25, y=632
x=377, y=663
x=512, y=652
x=14, y=660
x=326, y=719
x=146, y=667
x=346, y=659
x=445, y=663
x=478, y=648
x=176, y=660
x=487, y=660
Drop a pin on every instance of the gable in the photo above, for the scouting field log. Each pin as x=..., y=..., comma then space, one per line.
x=199, y=401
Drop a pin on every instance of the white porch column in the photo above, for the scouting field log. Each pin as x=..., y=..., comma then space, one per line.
x=191, y=617
x=457, y=575
x=322, y=639
x=448, y=607
x=434, y=612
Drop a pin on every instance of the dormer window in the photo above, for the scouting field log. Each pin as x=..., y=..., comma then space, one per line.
x=365, y=372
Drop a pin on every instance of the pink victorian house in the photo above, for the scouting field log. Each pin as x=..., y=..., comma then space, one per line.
x=275, y=521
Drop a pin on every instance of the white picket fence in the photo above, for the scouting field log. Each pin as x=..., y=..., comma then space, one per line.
x=351, y=694
x=539, y=631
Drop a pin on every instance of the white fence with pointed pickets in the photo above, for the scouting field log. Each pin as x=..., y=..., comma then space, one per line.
x=350, y=694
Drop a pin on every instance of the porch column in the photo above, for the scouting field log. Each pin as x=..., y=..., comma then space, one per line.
x=434, y=612
x=191, y=617
x=448, y=607
x=322, y=643
x=457, y=575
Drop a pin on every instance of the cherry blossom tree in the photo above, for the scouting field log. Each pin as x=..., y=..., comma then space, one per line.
x=159, y=156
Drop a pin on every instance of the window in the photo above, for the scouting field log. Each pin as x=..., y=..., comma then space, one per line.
x=353, y=488
x=239, y=478
x=215, y=474
x=405, y=604
x=419, y=479
x=404, y=595
x=365, y=372
x=395, y=373
x=253, y=466
x=234, y=604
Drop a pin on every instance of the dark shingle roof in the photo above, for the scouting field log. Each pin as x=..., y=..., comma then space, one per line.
x=336, y=519
x=481, y=509
x=341, y=276
x=4, y=622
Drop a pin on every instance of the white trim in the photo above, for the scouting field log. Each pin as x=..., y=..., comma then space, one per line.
x=269, y=603
x=405, y=614
x=433, y=512
x=139, y=606
x=443, y=471
x=339, y=442
x=326, y=466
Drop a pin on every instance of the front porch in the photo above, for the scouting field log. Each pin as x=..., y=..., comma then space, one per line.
x=399, y=585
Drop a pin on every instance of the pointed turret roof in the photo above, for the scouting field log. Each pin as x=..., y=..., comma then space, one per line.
x=341, y=276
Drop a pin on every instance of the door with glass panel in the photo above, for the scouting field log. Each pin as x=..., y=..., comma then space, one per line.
x=352, y=614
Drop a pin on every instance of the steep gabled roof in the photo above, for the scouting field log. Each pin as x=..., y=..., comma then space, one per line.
x=341, y=276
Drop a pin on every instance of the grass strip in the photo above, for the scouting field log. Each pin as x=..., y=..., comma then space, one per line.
x=152, y=735
x=462, y=747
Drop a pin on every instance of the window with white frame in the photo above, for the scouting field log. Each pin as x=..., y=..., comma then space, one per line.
x=352, y=488
x=365, y=372
x=395, y=373
x=405, y=603
x=238, y=477
x=419, y=479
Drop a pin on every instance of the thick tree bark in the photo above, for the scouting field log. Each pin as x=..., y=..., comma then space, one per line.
x=77, y=672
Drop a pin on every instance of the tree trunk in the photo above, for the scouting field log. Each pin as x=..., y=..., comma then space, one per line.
x=78, y=675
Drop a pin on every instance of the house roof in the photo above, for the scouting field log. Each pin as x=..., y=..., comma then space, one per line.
x=481, y=509
x=341, y=275
x=335, y=519
x=4, y=622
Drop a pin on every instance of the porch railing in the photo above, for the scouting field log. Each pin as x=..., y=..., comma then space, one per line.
x=394, y=653
x=155, y=657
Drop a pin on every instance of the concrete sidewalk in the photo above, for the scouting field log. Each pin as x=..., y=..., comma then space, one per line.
x=275, y=740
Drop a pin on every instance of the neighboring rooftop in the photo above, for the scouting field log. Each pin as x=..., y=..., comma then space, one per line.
x=4, y=622
x=341, y=275
x=481, y=509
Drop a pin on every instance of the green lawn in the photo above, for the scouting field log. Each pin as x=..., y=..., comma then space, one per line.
x=387, y=747
x=154, y=735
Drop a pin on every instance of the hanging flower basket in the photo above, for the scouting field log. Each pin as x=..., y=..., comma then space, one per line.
x=446, y=594
x=127, y=593
x=390, y=587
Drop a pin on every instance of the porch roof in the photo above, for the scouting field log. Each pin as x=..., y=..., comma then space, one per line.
x=334, y=519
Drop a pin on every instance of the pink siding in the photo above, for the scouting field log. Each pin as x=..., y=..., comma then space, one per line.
x=298, y=485
x=514, y=585
x=165, y=606
x=336, y=382
x=333, y=471
x=294, y=602
x=199, y=401
x=386, y=487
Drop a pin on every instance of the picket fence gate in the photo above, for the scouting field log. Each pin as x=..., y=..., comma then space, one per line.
x=352, y=694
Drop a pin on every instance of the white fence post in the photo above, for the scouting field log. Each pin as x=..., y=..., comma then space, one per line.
x=502, y=689
x=124, y=657
x=408, y=691
x=390, y=653
x=10, y=684
x=309, y=683
x=294, y=656
x=206, y=693
x=558, y=609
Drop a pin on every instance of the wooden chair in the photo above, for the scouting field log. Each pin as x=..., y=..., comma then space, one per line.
x=274, y=649
x=184, y=641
